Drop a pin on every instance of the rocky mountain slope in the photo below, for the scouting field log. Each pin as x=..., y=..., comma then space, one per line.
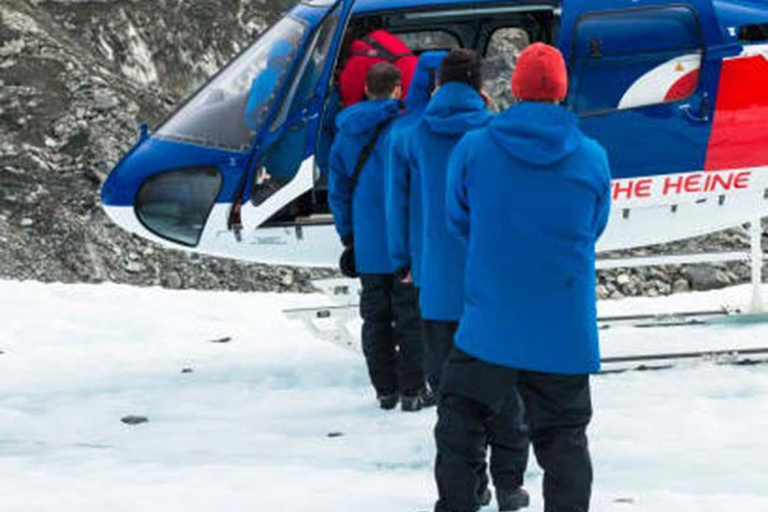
x=76, y=77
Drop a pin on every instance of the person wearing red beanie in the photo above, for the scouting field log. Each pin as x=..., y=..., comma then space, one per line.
x=529, y=195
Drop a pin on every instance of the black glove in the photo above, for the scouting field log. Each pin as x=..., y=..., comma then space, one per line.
x=347, y=263
x=348, y=241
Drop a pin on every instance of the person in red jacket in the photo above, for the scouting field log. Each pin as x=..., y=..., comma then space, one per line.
x=364, y=53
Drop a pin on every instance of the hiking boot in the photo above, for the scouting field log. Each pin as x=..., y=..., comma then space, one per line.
x=428, y=397
x=410, y=403
x=388, y=402
x=512, y=500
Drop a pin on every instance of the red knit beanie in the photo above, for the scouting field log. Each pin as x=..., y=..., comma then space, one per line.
x=540, y=75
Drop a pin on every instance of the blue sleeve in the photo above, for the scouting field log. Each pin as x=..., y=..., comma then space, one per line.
x=603, y=209
x=327, y=132
x=398, y=203
x=456, y=200
x=340, y=190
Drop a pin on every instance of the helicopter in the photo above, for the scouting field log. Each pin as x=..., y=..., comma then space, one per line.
x=675, y=91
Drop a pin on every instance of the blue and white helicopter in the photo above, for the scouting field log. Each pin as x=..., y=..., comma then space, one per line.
x=675, y=90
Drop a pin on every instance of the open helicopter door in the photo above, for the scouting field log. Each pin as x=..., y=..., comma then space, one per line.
x=240, y=150
x=644, y=81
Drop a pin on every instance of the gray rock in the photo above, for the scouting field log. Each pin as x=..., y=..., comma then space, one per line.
x=617, y=295
x=104, y=100
x=681, y=286
x=134, y=267
x=706, y=277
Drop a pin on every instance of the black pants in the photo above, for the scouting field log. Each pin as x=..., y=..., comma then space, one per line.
x=438, y=342
x=507, y=435
x=557, y=408
x=392, y=335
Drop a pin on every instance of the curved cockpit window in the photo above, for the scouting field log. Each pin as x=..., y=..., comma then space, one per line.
x=228, y=111
x=175, y=205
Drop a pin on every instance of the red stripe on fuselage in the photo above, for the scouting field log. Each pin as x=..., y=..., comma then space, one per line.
x=684, y=87
x=740, y=129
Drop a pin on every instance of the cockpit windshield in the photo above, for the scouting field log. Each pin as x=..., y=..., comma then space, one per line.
x=228, y=112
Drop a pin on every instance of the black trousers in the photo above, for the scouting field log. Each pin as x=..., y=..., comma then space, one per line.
x=392, y=334
x=438, y=342
x=507, y=434
x=557, y=409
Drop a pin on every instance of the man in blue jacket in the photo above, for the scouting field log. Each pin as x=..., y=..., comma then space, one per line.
x=530, y=195
x=356, y=193
x=456, y=108
x=404, y=217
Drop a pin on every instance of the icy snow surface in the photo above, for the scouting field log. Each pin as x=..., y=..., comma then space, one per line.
x=248, y=430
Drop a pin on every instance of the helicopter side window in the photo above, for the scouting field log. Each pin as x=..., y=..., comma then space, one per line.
x=635, y=58
x=175, y=205
x=504, y=47
x=429, y=40
x=229, y=111
x=286, y=152
x=754, y=33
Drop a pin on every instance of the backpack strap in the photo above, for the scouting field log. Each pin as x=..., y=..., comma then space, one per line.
x=367, y=151
x=384, y=52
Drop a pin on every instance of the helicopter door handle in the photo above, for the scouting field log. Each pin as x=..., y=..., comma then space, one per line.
x=702, y=116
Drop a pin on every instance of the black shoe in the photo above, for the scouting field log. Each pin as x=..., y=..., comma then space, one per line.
x=428, y=398
x=485, y=497
x=388, y=402
x=512, y=500
x=410, y=403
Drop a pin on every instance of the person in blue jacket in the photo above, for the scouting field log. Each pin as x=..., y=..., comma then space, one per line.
x=458, y=107
x=530, y=196
x=404, y=217
x=390, y=334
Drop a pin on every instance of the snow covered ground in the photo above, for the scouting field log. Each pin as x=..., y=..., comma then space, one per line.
x=249, y=429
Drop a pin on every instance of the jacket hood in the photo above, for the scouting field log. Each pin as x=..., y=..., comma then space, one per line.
x=537, y=133
x=363, y=117
x=423, y=81
x=456, y=108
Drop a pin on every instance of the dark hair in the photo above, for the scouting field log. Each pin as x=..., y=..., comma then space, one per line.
x=382, y=79
x=463, y=66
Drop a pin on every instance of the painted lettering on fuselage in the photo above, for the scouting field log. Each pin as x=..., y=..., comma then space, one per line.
x=681, y=185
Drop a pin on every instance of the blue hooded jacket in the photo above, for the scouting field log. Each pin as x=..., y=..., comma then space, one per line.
x=362, y=214
x=404, y=216
x=454, y=110
x=531, y=195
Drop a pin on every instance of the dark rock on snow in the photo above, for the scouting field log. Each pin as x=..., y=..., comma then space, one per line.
x=134, y=420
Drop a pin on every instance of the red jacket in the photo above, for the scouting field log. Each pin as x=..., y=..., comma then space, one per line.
x=363, y=55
